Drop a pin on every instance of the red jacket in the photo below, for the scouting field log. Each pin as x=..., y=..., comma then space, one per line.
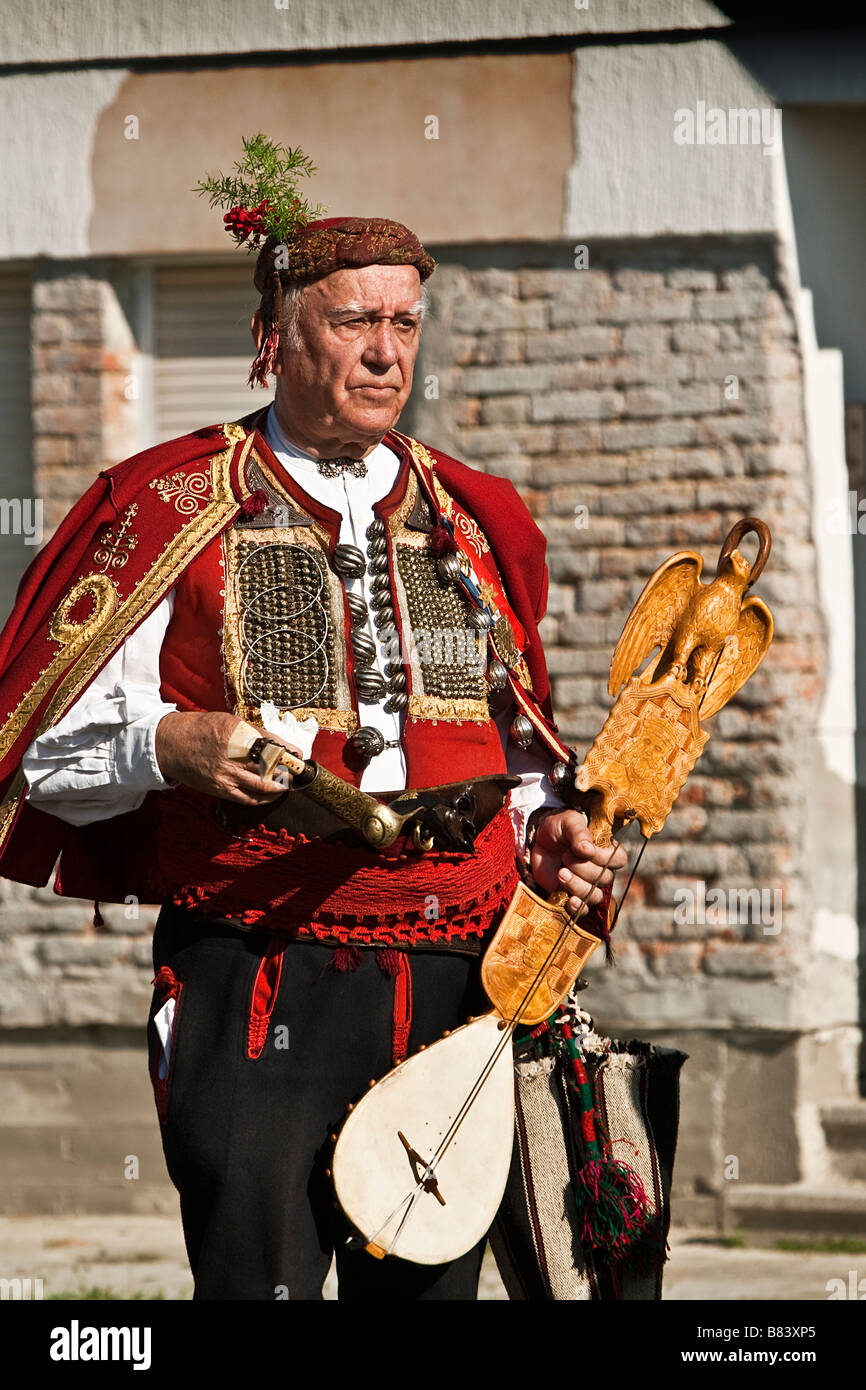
x=177, y=498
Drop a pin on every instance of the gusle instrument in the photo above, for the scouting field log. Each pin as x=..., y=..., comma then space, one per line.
x=421, y=1161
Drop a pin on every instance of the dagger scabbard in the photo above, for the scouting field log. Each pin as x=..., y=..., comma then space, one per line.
x=375, y=821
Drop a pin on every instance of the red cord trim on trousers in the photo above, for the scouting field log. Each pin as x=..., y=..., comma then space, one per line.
x=168, y=986
x=402, y=1010
x=265, y=990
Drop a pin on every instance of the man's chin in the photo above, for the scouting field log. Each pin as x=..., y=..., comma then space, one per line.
x=371, y=421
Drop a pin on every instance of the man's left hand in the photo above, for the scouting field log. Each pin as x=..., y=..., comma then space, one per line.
x=565, y=856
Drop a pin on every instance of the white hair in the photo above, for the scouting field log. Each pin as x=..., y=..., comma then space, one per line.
x=292, y=296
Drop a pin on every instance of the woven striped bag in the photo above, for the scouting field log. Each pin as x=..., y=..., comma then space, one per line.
x=540, y=1238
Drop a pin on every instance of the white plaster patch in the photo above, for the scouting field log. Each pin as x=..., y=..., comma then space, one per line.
x=631, y=178
x=48, y=163
x=835, y=934
x=126, y=29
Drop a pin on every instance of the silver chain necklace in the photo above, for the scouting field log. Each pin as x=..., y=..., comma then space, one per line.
x=334, y=468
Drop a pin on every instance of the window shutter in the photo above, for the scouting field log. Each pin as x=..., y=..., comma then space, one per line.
x=203, y=347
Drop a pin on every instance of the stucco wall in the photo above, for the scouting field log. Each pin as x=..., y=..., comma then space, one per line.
x=124, y=29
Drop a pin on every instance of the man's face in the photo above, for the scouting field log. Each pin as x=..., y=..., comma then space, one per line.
x=345, y=385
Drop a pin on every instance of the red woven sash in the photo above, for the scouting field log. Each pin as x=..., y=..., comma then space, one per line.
x=318, y=890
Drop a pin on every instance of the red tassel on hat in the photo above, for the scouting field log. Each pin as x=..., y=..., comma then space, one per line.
x=264, y=360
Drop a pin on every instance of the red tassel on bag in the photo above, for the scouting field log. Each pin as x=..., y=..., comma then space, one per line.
x=612, y=1207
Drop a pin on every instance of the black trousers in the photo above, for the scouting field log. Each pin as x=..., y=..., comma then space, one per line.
x=246, y=1139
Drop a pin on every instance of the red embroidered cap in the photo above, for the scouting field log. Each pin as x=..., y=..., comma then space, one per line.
x=341, y=243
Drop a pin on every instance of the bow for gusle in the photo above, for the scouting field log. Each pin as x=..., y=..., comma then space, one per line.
x=638, y=764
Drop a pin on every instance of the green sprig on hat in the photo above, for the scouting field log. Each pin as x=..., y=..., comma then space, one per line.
x=262, y=194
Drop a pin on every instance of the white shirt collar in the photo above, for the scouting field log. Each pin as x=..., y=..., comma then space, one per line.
x=382, y=462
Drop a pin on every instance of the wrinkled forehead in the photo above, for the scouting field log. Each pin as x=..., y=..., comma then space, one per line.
x=383, y=289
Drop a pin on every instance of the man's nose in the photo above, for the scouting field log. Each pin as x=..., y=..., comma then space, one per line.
x=381, y=346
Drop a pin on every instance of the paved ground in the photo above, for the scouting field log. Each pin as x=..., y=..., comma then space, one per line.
x=143, y=1257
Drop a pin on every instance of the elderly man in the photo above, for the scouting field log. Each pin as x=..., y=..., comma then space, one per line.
x=284, y=570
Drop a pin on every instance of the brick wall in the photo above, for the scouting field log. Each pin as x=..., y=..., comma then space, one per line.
x=604, y=389
x=84, y=404
x=601, y=389
x=55, y=970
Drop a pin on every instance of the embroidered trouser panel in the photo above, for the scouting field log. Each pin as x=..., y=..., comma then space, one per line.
x=269, y=1046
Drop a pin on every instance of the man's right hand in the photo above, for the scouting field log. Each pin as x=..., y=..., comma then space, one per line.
x=191, y=748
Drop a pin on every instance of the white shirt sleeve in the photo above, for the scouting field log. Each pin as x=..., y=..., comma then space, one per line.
x=536, y=789
x=100, y=759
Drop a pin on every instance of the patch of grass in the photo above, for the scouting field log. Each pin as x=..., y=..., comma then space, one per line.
x=832, y=1245
x=99, y=1293
x=735, y=1241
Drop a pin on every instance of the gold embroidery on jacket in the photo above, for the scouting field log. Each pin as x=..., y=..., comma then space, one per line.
x=186, y=490
x=432, y=707
x=115, y=548
x=116, y=625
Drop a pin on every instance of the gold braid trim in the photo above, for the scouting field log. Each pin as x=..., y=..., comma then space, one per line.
x=437, y=707
x=109, y=625
x=399, y=515
x=342, y=720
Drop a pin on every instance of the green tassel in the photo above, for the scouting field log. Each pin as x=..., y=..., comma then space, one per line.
x=612, y=1207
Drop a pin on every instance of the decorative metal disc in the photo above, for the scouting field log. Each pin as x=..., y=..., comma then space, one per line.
x=368, y=741
x=497, y=675
x=449, y=568
x=522, y=731
x=349, y=561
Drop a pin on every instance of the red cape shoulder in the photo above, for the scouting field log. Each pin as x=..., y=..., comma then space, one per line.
x=52, y=570
x=74, y=606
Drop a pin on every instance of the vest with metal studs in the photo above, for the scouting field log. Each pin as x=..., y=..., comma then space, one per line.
x=264, y=615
